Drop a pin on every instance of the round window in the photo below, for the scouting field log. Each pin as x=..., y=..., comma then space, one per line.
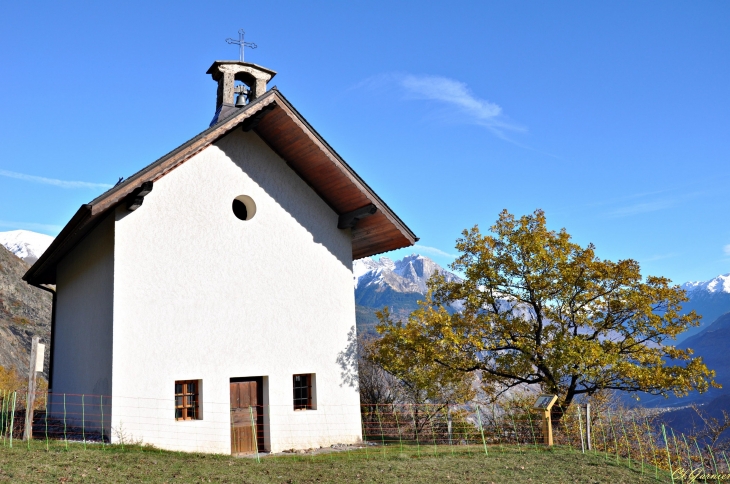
x=243, y=207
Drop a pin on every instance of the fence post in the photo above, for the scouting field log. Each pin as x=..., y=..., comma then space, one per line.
x=517, y=435
x=613, y=431
x=626, y=438
x=465, y=428
x=254, y=433
x=433, y=432
x=48, y=396
x=580, y=429
x=689, y=452
x=699, y=453
x=653, y=448
x=30, y=396
x=65, y=438
x=638, y=441
x=549, y=437
x=449, y=423
x=415, y=431
x=397, y=424
x=101, y=408
x=588, y=426
x=83, y=421
x=2, y=417
x=714, y=463
x=481, y=429
x=603, y=434
x=380, y=424
x=669, y=456
x=364, y=430
x=12, y=418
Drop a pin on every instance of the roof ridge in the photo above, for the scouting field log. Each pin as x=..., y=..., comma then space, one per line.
x=383, y=232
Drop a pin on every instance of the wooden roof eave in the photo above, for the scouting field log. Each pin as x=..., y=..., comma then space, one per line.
x=43, y=271
x=353, y=177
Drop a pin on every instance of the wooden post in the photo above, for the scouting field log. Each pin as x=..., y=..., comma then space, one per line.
x=449, y=423
x=548, y=428
x=36, y=356
x=588, y=425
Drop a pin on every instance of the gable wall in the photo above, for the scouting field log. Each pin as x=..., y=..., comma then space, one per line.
x=82, y=353
x=203, y=295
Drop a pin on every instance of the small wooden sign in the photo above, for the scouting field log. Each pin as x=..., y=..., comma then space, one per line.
x=544, y=403
x=40, y=355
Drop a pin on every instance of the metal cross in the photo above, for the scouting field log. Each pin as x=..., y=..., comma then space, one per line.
x=241, y=44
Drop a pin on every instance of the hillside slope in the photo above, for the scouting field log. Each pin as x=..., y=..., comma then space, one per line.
x=24, y=311
x=712, y=345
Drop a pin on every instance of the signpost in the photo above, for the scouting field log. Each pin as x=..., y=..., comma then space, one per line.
x=37, y=351
x=543, y=404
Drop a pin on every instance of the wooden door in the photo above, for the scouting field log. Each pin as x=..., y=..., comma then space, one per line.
x=246, y=403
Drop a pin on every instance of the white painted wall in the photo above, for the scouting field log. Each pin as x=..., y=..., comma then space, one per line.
x=82, y=353
x=202, y=295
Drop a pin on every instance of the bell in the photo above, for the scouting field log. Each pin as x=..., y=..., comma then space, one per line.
x=241, y=100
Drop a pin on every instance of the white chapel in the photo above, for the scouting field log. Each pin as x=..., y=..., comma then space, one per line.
x=202, y=303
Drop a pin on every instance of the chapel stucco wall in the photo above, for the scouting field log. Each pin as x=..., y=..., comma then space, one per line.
x=202, y=295
x=82, y=352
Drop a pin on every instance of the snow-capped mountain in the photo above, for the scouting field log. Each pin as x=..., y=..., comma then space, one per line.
x=718, y=284
x=710, y=299
x=25, y=244
x=399, y=285
x=407, y=275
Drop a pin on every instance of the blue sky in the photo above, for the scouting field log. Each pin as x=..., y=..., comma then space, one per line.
x=613, y=118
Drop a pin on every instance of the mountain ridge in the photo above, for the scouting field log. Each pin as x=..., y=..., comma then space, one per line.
x=399, y=285
x=25, y=244
x=720, y=283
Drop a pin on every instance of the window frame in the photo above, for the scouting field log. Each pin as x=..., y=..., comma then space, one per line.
x=303, y=403
x=185, y=407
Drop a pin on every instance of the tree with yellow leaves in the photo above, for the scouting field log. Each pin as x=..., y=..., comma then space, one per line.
x=539, y=309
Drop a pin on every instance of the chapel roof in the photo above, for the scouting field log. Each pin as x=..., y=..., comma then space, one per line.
x=272, y=117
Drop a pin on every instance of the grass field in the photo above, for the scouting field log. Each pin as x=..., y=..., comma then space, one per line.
x=137, y=464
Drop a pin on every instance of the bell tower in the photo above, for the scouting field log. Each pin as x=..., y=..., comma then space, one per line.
x=253, y=79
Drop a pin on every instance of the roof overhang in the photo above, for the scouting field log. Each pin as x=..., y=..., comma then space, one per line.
x=286, y=131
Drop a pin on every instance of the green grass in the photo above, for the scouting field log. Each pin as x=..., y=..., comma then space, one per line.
x=141, y=464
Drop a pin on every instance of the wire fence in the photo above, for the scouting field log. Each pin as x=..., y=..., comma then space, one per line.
x=627, y=437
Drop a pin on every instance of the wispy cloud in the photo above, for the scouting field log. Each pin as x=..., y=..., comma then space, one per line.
x=52, y=181
x=726, y=249
x=644, y=207
x=659, y=257
x=433, y=251
x=47, y=228
x=455, y=96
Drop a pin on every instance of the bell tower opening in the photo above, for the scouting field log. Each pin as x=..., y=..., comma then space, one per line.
x=239, y=83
